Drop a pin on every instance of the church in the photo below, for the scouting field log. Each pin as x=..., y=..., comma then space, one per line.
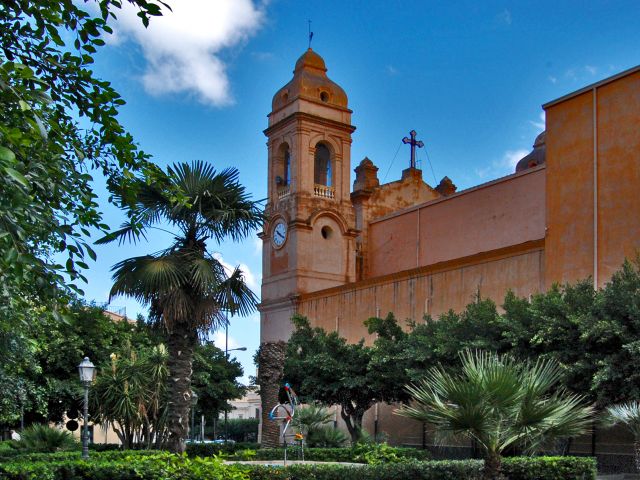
x=339, y=253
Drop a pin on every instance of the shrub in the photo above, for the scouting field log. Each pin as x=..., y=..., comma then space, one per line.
x=42, y=438
x=121, y=466
x=149, y=465
x=326, y=437
x=361, y=454
x=549, y=468
x=517, y=468
x=210, y=449
x=242, y=429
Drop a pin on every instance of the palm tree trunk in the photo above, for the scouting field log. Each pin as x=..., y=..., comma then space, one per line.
x=636, y=450
x=181, y=343
x=492, y=464
x=270, y=372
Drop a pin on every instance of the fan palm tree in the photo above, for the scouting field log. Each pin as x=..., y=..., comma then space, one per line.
x=186, y=288
x=498, y=403
x=627, y=414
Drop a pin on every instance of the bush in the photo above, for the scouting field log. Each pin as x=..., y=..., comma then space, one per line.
x=441, y=470
x=549, y=468
x=361, y=454
x=517, y=468
x=242, y=429
x=149, y=465
x=43, y=438
x=326, y=437
x=210, y=449
x=122, y=466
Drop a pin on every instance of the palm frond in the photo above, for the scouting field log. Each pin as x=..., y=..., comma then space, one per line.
x=128, y=231
x=148, y=277
x=627, y=414
x=234, y=295
x=498, y=403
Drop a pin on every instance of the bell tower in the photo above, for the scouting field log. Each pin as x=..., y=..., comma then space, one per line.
x=309, y=236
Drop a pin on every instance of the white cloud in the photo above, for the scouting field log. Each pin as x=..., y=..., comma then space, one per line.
x=591, y=69
x=506, y=165
x=250, y=279
x=553, y=79
x=540, y=125
x=219, y=340
x=182, y=48
x=391, y=70
x=257, y=246
x=504, y=17
x=511, y=158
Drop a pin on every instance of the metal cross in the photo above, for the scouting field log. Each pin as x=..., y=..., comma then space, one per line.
x=414, y=143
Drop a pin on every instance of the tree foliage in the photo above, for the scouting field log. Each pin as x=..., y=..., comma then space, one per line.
x=215, y=379
x=324, y=367
x=186, y=287
x=499, y=403
x=58, y=126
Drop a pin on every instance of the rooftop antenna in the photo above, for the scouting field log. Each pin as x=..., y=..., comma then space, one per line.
x=310, y=34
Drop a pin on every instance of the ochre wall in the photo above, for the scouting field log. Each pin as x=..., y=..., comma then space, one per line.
x=571, y=139
x=505, y=212
x=429, y=290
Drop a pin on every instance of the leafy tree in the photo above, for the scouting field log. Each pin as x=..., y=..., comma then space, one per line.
x=130, y=395
x=215, y=379
x=242, y=429
x=185, y=286
x=325, y=368
x=498, y=403
x=611, y=338
x=58, y=123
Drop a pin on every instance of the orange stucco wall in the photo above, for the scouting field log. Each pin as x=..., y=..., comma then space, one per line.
x=428, y=290
x=572, y=145
x=506, y=212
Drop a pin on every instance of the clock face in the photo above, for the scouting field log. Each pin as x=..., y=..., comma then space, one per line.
x=280, y=233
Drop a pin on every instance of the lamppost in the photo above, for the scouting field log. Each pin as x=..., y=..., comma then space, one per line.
x=226, y=357
x=194, y=402
x=87, y=371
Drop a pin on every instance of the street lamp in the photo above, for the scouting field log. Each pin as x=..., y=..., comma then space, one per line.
x=194, y=402
x=87, y=371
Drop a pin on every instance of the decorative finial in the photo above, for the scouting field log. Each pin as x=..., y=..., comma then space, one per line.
x=414, y=143
x=310, y=34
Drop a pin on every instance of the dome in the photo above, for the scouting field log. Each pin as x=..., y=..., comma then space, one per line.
x=310, y=82
x=537, y=155
x=310, y=59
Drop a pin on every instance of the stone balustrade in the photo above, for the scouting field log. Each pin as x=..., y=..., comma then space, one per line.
x=324, y=191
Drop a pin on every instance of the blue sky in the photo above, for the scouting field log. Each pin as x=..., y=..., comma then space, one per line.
x=469, y=77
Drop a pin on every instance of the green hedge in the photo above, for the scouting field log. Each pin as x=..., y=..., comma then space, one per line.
x=359, y=454
x=209, y=449
x=520, y=468
x=550, y=468
x=123, y=466
x=146, y=465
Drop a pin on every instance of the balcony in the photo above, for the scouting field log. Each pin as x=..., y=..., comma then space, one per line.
x=283, y=191
x=323, y=191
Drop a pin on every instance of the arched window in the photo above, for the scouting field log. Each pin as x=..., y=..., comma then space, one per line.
x=322, y=166
x=287, y=167
x=283, y=166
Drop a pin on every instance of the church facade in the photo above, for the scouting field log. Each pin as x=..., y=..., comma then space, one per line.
x=341, y=253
